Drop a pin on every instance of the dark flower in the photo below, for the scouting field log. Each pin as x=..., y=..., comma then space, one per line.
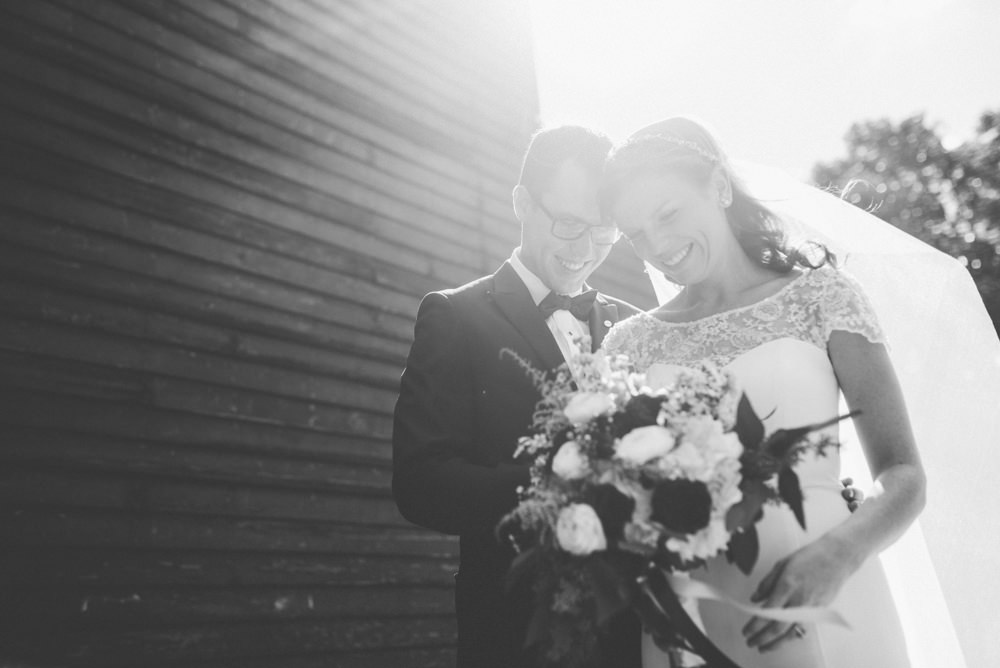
x=682, y=506
x=614, y=510
x=640, y=411
x=603, y=433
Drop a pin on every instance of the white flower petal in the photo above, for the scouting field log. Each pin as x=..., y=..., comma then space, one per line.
x=584, y=406
x=579, y=530
x=644, y=443
x=570, y=462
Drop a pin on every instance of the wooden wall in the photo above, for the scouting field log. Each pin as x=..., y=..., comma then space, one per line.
x=217, y=219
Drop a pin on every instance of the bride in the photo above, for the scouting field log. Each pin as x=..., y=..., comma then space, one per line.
x=797, y=331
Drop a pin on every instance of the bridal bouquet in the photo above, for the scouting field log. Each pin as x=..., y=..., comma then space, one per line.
x=630, y=486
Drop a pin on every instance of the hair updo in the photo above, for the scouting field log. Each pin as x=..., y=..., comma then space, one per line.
x=682, y=146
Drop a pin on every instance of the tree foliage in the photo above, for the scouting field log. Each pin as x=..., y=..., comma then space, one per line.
x=949, y=198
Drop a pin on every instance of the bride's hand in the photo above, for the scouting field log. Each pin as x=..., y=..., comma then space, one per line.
x=812, y=576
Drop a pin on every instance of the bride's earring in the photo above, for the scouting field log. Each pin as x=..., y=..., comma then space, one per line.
x=725, y=196
x=723, y=187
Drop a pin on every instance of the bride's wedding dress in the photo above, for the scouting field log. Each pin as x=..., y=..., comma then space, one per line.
x=777, y=350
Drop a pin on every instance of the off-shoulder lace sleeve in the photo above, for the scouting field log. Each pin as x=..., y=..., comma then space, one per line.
x=621, y=339
x=615, y=340
x=845, y=307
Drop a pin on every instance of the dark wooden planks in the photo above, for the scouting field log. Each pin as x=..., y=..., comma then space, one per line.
x=137, y=607
x=168, y=82
x=154, y=496
x=131, y=474
x=230, y=159
x=24, y=300
x=342, y=642
x=94, y=567
x=496, y=252
x=176, y=294
x=216, y=223
x=82, y=404
x=100, y=528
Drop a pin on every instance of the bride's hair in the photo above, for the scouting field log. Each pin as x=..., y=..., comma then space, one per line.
x=681, y=145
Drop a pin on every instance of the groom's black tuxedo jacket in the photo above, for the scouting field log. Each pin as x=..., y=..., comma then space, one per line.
x=462, y=406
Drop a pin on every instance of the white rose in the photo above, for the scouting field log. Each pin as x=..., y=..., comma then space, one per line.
x=726, y=487
x=644, y=443
x=691, y=460
x=706, y=434
x=584, y=406
x=579, y=530
x=570, y=462
x=730, y=446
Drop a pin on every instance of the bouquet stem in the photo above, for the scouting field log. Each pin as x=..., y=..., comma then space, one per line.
x=666, y=619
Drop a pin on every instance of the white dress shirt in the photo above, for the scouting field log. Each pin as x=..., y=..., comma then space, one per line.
x=564, y=325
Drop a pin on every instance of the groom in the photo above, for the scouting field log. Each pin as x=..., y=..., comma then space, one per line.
x=462, y=405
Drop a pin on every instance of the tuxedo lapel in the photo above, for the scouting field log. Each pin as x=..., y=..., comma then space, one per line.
x=604, y=315
x=512, y=298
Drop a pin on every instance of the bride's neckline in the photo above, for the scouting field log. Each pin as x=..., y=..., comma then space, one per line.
x=736, y=309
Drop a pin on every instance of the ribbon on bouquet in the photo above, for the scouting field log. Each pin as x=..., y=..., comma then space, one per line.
x=687, y=587
x=663, y=614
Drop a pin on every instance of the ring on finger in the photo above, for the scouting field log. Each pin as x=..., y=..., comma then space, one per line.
x=798, y=630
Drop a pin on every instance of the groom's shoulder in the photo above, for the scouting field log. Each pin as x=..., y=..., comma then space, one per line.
x=469, y=293
x=475, y=287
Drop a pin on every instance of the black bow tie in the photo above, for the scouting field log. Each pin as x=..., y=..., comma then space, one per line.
x=580, y=306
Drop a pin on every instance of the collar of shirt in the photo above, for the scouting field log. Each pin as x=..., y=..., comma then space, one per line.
x=564, y=327
x=536, y=287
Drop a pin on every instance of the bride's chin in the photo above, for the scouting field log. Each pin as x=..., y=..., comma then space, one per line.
x=667, y=274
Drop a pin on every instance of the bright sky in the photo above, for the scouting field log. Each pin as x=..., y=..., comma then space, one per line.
x=779, y=81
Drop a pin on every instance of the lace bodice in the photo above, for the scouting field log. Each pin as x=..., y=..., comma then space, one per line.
x=777, y=352
x=808, y=308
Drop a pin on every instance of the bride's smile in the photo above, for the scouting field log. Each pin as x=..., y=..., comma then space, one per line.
x=676, y=258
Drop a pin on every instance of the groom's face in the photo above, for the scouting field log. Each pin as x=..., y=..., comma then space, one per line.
x=571, y=198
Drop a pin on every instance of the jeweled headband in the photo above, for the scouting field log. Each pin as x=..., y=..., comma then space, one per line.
x=677, y=141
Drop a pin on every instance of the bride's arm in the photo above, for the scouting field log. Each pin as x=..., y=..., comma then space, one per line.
x=813, y=575
x=869, y=384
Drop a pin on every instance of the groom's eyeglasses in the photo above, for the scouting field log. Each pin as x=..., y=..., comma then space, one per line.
x=570, y=229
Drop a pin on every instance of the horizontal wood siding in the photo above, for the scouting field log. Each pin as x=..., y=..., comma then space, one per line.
x=217, y=220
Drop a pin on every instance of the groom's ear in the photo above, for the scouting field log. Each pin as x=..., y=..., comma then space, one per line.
x=522, y=200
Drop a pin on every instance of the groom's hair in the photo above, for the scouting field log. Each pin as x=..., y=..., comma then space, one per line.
x=551, y=147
